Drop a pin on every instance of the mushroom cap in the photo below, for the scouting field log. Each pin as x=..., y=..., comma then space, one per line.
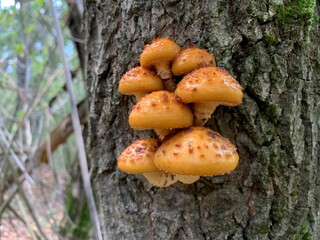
x=138, y=157
x=139, y=79
x=162, y=110
x=190, y=59
x=197, y=151
x=161, y=49
x=210, y=84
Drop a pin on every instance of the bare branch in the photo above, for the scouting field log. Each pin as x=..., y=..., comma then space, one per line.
x=25, y=222
x=60, y=134
x=77, y=129
x=57, y=137
x=15, y=157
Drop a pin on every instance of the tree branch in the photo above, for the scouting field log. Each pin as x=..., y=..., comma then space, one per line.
x=60, y=134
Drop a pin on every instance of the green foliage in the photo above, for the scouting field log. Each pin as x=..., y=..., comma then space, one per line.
x=28, y=36
x=31, y=74
x=40, y=3
x=19, y=50
x=20, y=114
x=78, y=211
x=83, y=223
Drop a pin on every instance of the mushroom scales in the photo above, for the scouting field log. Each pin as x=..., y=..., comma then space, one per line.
x=190, y=59
x=208, y=88
x=138, y=158
x=160, y=110
x=159, y=55
x=139, y=81
x=187, y=150
x=197, y=151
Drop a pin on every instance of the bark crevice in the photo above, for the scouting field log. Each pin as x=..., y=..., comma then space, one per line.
x=274, y=192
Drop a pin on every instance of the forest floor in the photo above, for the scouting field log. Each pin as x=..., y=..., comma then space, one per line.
x=47, y=203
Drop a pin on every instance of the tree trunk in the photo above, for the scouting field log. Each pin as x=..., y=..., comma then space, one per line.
x=273, y=51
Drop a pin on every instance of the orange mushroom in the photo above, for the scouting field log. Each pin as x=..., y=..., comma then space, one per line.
x=190, y=59
x=208, y=88
x=159, y=55
x=161, y=110
x=196, y=151
x=139, y=81
x=138, y=159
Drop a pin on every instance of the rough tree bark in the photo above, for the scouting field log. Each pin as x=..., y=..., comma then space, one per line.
x=273, y=51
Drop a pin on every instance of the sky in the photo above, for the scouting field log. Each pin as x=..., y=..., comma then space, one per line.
x=7, y=3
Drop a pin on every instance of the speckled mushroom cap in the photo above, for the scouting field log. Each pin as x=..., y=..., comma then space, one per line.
x=190, y=59
x=210, y=84
x=138, y=157
x=139, y=79
x=160, y=110
x=197, y=151
x=161, y=49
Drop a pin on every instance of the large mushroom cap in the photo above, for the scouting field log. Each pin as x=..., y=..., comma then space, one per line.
x=161, y=49
x=210, y=84
x=139, y=79
x=190, y=59
x=138, y=157
x=160, y=110
x=197, y=151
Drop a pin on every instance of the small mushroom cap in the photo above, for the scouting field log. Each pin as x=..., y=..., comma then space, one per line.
x=161, y=110
x=161, y=49
x=210, y=84
x=197, y=151
x=138, y=157
x=190, y=59
x=139, y=79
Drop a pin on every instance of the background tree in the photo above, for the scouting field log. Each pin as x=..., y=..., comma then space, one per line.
x=271, y=47
x=34, y=121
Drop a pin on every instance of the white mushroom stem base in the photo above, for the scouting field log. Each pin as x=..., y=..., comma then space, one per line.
x=187, y=179
x=163, y=70
x=161, y=133
x=160, y=179
x=202, y=112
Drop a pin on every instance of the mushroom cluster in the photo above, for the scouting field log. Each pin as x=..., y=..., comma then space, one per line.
x=184, y=150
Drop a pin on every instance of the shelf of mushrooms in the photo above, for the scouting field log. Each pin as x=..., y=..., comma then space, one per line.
x=185, y=150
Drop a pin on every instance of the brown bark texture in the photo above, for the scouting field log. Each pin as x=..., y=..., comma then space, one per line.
x=274, y=193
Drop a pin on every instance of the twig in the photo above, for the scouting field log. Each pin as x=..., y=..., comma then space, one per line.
x=8, y=200
x=34, y=217
x=12, y=84
x=38, y=153
x=59, y=134
x=7, y=149
x=33, y=234
x=15, y=157
x=21, y=192
x=77, y=129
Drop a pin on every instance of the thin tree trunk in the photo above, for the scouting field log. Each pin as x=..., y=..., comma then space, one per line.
x=274, y=193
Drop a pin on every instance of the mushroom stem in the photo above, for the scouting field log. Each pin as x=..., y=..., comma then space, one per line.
x=202, y=112
x=162, y=133
x=187, y=179
x=169, y=84
x=163, y=69
x=139, y=95
x=160, y=179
